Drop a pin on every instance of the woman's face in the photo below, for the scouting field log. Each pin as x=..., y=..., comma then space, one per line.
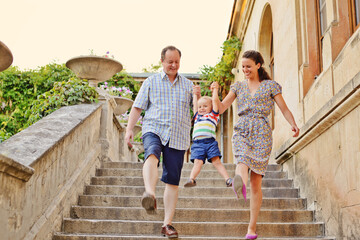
x=249, y=68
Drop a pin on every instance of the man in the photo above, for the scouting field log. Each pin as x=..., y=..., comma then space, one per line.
x=166, y=98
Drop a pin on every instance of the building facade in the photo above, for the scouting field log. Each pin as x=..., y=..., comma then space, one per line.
x=312, y=48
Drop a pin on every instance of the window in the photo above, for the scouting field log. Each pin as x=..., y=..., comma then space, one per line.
x=355, y=14
x=321, y=27
x=322, y=17
x=271, y=65
x=313, y=63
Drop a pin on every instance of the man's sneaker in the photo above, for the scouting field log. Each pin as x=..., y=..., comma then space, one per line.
x=149, y=203
x=169, y=231
x=190, y=183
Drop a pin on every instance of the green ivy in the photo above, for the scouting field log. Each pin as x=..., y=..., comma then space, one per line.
x=19, y=88
x=71, y=92
x=27, y=96
x=154, y=68
x=221, y=72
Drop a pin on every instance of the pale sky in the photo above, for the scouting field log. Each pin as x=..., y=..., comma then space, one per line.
x=134, y=31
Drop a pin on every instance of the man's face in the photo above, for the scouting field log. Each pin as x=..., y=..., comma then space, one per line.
x=171, y=63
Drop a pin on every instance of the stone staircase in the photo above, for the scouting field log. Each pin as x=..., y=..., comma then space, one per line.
x=110, y=208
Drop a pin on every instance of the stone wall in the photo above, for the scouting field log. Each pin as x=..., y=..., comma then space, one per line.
x=324, y=159
x=45, y=167
x=327, y=173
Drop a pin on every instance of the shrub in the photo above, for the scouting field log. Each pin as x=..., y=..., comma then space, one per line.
x=123, y=79
x=71, y=92
x=221, y=72
x=19, y=88
x=27, y=96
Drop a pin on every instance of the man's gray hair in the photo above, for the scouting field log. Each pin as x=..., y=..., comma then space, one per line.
x=172, y=48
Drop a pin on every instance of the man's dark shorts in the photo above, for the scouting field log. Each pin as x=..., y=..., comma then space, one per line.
x=173, y=159
x=203, y=149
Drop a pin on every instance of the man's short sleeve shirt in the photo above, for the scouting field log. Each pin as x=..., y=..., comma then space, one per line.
x=167, y=109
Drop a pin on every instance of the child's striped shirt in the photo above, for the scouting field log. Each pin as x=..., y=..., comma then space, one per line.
x=205, y=125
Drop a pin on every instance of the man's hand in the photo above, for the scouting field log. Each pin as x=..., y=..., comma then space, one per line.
x=196, y=90
x=129, y=137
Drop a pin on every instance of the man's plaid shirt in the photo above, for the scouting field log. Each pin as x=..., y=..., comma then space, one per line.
x=167, y=109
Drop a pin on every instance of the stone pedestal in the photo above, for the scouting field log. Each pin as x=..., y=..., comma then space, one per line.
x=6, y=58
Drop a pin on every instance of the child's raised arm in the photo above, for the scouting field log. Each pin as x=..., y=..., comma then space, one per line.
x=215, y=98
x=196, y=91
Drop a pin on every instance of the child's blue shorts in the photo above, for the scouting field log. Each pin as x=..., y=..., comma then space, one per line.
x=203, y=149
x=173, y=159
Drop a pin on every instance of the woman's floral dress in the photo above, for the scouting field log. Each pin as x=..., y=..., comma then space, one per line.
x=252, y=138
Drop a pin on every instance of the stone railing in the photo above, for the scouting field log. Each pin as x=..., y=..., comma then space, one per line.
x=44, y=168
x=335, y=109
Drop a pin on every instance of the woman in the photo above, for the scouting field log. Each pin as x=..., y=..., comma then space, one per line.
x=252, y=138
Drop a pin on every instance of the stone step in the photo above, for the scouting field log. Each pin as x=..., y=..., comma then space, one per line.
x=195, y=191
x=124, y=172
x=64, y=236
x=111, y=205
x=224, y=229
x=187, y=166
x=203, y=182
x=189, y=214
x=192, y=202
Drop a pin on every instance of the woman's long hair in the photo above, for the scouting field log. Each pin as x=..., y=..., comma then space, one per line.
x=257, y=58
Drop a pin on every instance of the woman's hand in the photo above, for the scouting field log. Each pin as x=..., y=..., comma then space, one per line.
x=214, y=86
x=296, y=131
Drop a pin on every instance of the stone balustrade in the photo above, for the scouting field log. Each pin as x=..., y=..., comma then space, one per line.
x=45, y=167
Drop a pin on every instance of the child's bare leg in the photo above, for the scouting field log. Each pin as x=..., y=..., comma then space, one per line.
x=220, y=167
x=194, y=173
x=196, y=168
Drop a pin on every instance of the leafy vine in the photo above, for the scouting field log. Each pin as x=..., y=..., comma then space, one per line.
x=221, y=72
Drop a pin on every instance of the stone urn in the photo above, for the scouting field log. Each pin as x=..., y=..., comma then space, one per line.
x=93, y=68
x=6, y=57
x=137, y=128
x=122, y=105
x=138, y=147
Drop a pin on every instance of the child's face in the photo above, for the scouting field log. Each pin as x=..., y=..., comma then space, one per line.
x=204, y=106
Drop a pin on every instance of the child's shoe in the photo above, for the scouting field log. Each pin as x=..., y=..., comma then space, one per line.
x=190, y=183
x=229, y=182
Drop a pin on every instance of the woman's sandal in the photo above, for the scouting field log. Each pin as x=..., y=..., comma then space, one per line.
x=238, y=185
x=250, y=236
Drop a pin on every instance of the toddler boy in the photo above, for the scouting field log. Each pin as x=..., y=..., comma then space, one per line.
x=204, y=145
